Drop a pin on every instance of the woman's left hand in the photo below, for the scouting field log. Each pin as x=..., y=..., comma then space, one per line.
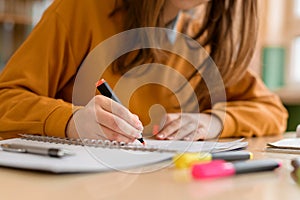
x=189, y=126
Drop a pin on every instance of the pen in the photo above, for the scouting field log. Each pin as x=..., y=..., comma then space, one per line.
x=20, y=148
x=220, y=168
x=185, y=160
x=106, y=90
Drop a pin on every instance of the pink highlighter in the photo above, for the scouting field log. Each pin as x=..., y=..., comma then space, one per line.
x=220, y=168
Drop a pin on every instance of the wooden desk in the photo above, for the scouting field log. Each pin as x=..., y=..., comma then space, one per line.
x=166, y=183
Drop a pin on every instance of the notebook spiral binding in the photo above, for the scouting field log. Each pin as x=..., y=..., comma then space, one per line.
x=94, y=143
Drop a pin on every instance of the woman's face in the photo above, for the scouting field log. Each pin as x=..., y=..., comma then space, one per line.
x=186, y=4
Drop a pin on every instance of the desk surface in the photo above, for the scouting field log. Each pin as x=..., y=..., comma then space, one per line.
x=166, y=183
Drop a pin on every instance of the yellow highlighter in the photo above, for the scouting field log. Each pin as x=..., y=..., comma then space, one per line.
x=186, y=160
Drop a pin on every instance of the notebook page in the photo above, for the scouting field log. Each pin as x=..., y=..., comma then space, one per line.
x=197, y=146
x=85, y=159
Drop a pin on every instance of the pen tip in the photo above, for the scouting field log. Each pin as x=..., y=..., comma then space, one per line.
x=142, y=141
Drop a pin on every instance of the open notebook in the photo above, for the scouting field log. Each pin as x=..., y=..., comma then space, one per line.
x=96, y=156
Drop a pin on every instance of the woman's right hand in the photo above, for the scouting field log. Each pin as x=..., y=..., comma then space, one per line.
x=103, y=118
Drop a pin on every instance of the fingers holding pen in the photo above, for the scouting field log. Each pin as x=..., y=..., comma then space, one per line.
x=116, y=117
x=118, y=110
x=102, y=118
x=112, y=135
x=83, y=125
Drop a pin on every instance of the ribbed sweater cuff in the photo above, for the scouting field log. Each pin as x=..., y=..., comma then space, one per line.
x=57, y=121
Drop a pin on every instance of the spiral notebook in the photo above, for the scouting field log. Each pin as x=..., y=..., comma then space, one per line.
x=98, y=156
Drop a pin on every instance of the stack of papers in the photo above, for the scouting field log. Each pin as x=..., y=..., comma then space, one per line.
x=288, y=145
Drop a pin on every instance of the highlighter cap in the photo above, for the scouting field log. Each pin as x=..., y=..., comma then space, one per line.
x=100, y=82
x=214, y=169
x=186, y=160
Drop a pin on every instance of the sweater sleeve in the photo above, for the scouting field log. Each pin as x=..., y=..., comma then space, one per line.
x=251, y=110
x=39, y=69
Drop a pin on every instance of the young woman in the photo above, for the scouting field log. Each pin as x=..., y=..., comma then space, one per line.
x=37, y=84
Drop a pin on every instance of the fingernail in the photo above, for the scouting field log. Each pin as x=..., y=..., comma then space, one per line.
x=139, y=126
x=161, y=136
x=136, y=118
x=155, y=129
x=139, y=135
x=171, y=138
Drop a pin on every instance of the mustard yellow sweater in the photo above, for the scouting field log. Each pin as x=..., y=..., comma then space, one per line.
x=37, y=83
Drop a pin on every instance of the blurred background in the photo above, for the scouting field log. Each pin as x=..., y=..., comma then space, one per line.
x=277, y=57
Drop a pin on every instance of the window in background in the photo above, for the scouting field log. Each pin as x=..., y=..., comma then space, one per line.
x=297, y=7
x=38, y=9
x=280, y=36
x=294, y=29
x=17, y=18
x=273, y=48
x=292, y=43
x=295, y=71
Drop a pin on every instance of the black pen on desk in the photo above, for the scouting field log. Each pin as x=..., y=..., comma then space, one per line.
x=106, y=90
x=33, y=149
x=220, y=168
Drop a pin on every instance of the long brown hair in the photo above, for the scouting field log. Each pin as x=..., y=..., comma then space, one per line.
x=229, y=29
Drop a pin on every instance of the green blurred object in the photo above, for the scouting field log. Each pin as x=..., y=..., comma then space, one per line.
x=298, y=175
x=294, y=117
x=273, y=67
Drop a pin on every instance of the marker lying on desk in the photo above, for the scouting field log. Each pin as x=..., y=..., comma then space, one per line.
x=20, y=148
x=220, y=168
x=185, y=160
x=106, y=90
